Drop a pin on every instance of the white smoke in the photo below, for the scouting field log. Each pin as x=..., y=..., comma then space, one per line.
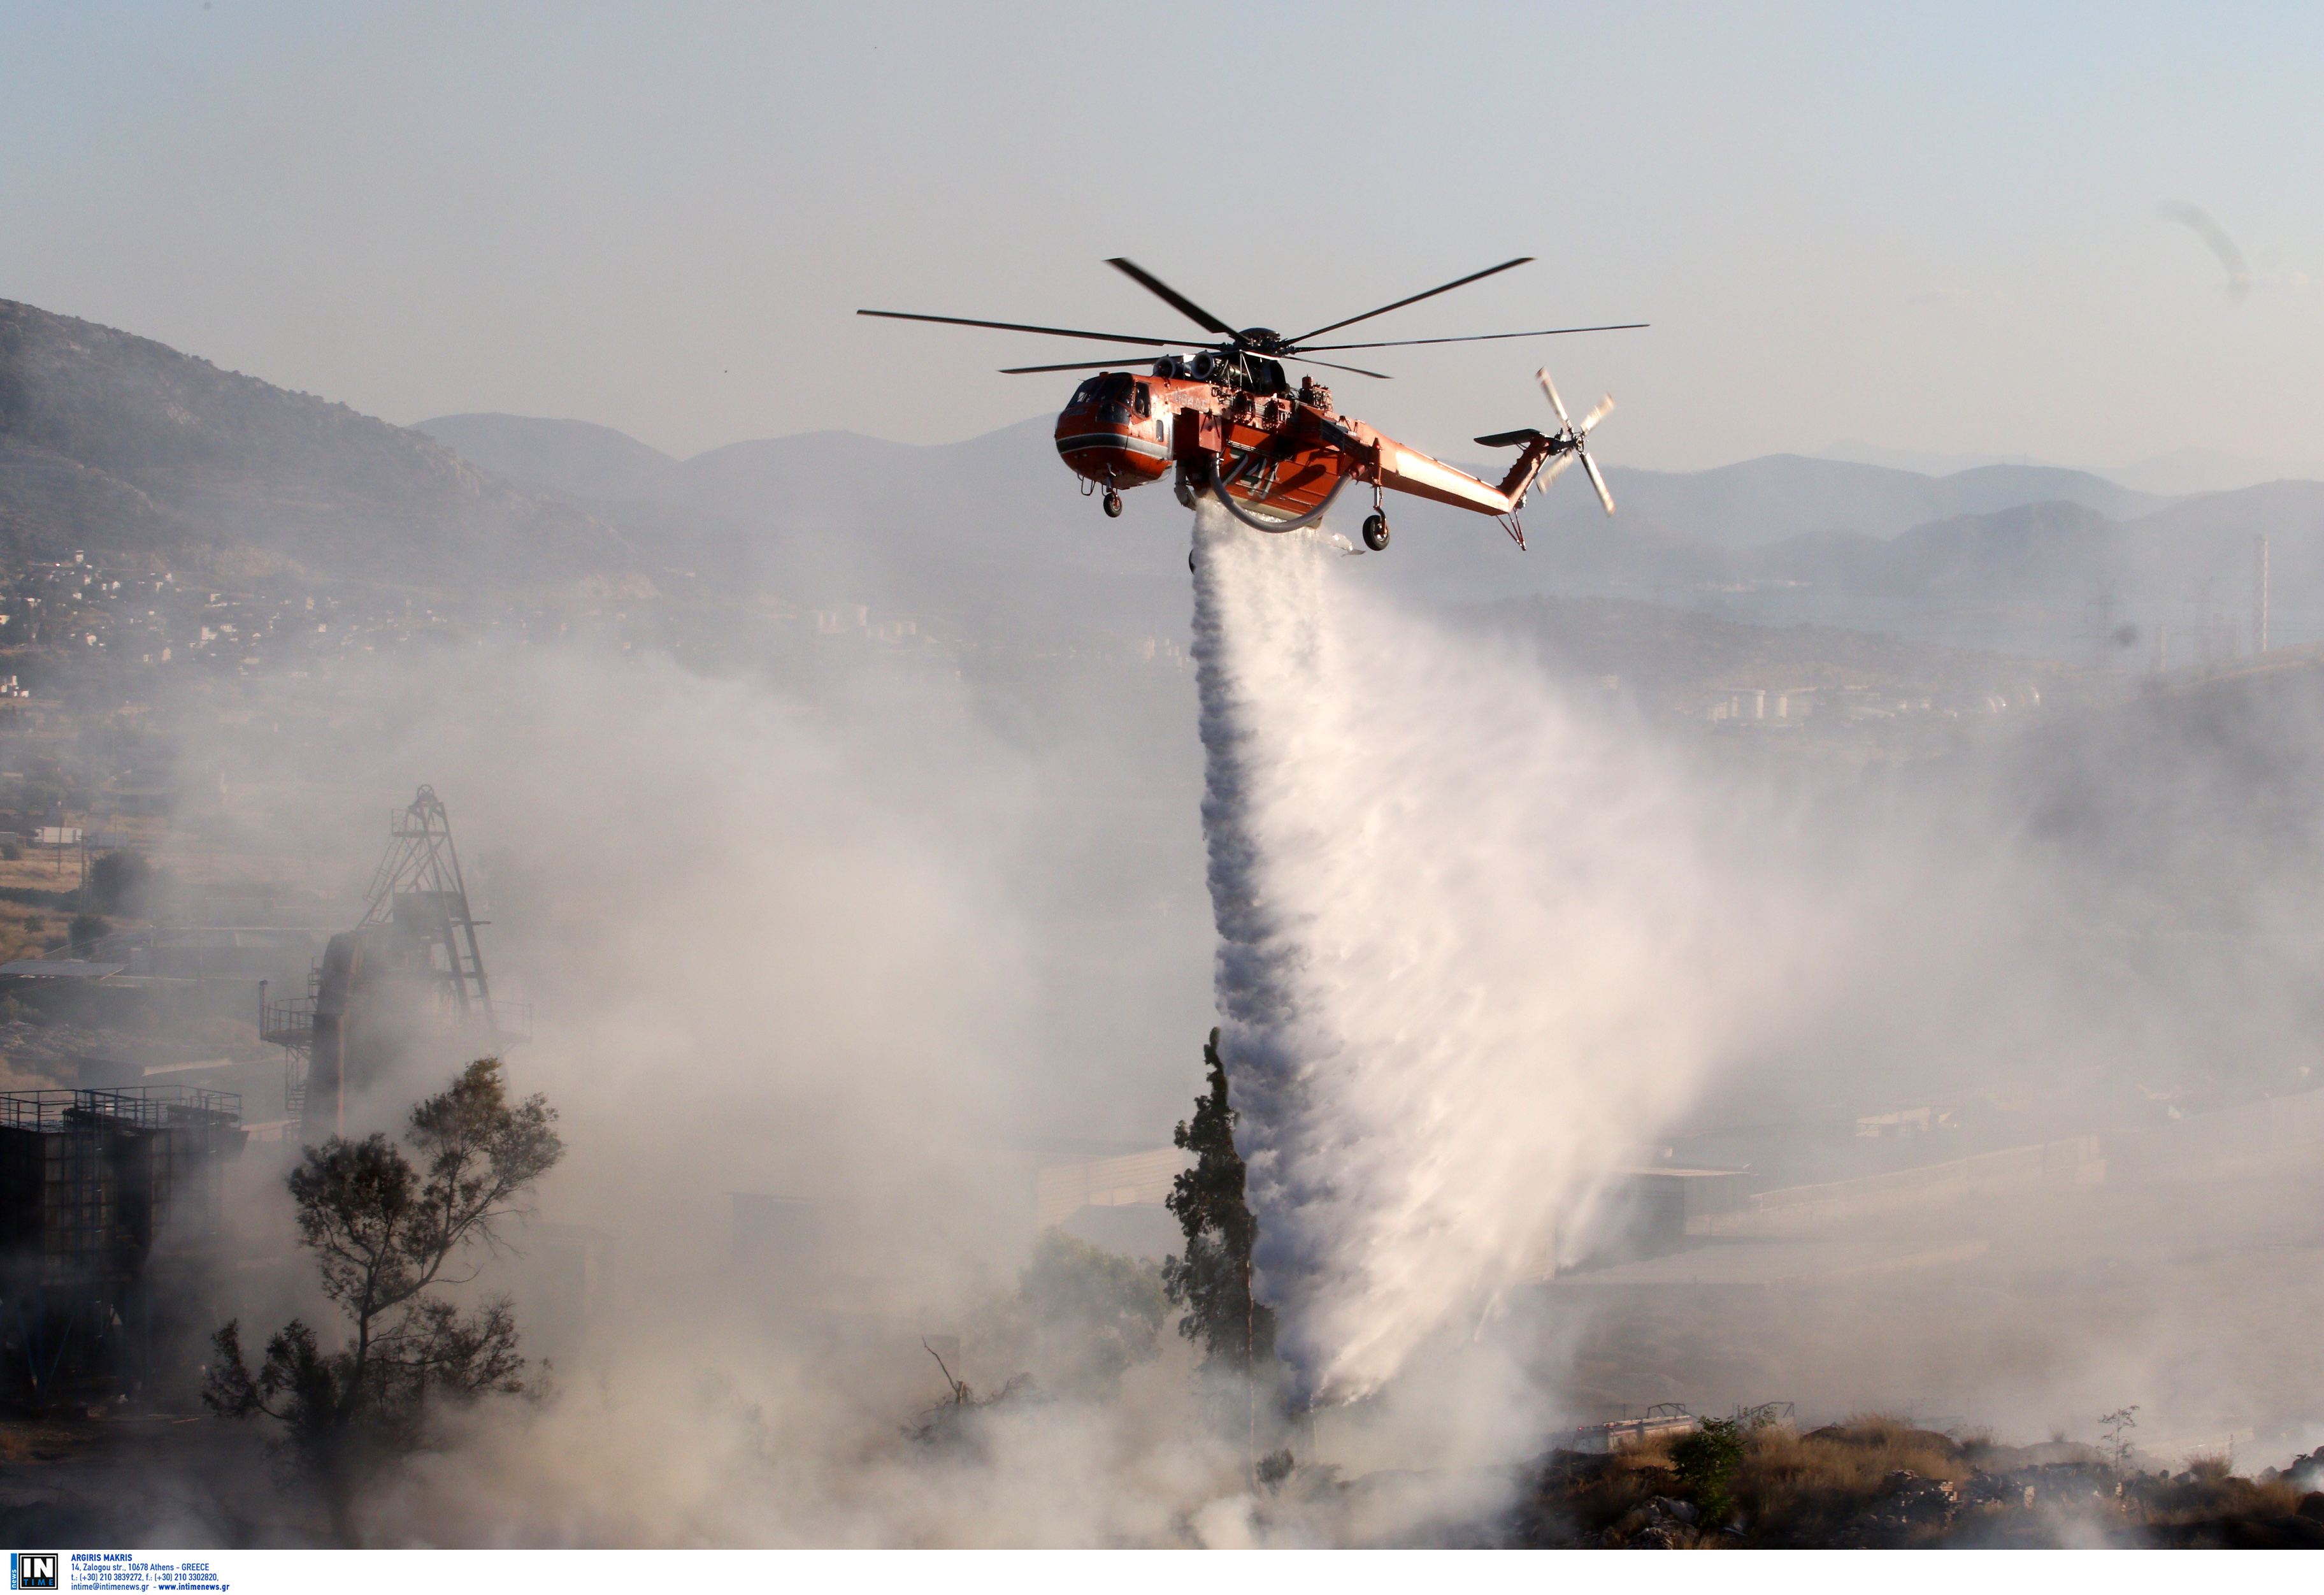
x=1485, y=934
x=1471, y=955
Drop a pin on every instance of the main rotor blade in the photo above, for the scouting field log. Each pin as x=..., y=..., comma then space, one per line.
x=1171, y=297
x=1327, y=366
x=1555, y=402
x=1415, y=298
x=1487, y=336
x=1605, y=408
x=1134, y=362
x=1158, y=343
x=1597, y=481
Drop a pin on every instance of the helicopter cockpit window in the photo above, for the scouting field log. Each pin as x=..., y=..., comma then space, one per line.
x=1144, y=403
x=1113, y=397
x=1084, y=395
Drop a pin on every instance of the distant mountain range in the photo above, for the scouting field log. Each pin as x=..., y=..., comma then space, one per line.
x=2209, y=470
x=2172, y=475
x=2177, y=474
x=1779, y=495
x=1758, y=501
x=114, y=441
x=2021, y=557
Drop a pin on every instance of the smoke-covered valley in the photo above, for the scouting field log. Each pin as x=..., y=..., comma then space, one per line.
x=844, y=812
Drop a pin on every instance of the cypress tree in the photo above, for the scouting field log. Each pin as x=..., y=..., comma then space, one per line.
x=1212, y=1281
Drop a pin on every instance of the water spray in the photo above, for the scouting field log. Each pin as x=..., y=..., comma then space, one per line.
x=1467, y=956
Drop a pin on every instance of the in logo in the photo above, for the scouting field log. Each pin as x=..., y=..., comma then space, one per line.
x=31, y=1569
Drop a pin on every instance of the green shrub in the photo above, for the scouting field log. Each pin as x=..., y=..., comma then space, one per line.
x=1705, y=1462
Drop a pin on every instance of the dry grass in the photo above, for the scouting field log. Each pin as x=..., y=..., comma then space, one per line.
x=2207, y=1491
x=1826, y=1487
x=27, y=932
x=1799, y=1486
x=1791, y=1488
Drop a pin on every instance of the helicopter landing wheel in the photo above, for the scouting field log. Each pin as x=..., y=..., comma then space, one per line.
x=1376, y=532
x=1112, y=504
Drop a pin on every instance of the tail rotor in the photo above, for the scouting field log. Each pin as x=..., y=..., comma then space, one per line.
x=1571, y=439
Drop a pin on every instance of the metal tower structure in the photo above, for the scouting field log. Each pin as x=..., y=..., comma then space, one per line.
x=418, y=890
x=418, y=937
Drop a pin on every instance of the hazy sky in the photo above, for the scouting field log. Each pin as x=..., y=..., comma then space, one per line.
x=1932, y=229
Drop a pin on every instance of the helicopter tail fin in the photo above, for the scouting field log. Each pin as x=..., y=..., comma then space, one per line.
x=1539, y=448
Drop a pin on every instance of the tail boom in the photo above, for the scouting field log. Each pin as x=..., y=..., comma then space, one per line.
x=1408, y=470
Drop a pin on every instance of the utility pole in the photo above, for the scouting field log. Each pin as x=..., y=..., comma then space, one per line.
x=2259, y=594
x=2102, y=632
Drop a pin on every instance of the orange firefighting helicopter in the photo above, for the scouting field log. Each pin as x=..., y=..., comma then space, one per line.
x=1275, y=456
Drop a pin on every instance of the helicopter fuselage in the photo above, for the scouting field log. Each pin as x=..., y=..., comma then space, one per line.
x=1279, y=452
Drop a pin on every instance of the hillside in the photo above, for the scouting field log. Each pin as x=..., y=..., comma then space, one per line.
x=991, y=532
x=112, y=441
x=574, y=459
